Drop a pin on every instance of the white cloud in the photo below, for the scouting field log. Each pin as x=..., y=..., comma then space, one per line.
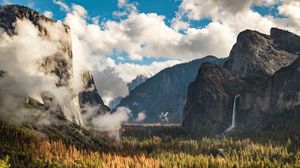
x=92, y=48
x=128, y=71
x=29, y=75
x=147, y=35
x=291, y=10
x=63, y=6
x=111, y=79
x=229, y=18
x=141, y=117
x=125, y=8
x=48, y=14
x=104, y=122
x=216, y=9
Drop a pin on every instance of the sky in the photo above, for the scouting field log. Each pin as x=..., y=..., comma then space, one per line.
x=121, y=39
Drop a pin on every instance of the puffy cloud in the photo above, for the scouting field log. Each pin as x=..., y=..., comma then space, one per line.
x=291, y=10
x=104, y=122
x=216, y=9
x=229, y=18
x=129, y=71
x=63, y=6
x=147, y=35
x=48, y=14
x=141, y=117
x=125, y=8
x=109, y=84
x=28, y=74
x=92, y=47
x=111, y=79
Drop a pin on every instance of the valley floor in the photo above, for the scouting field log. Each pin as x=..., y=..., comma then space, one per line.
x=21, y=147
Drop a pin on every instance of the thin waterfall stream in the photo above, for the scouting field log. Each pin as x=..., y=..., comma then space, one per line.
x=232, y=126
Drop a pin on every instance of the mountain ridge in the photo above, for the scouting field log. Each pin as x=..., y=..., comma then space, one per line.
x=165, y=91
x=269, y=86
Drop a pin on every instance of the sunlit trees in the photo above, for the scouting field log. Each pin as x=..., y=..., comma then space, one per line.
x=25, y=150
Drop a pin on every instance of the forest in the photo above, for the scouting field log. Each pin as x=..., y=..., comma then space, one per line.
x=21, y=147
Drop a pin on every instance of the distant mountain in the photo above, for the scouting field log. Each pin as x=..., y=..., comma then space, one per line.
x=165, y=92
x=263, y=70
x=132, y=85
x=136, y=82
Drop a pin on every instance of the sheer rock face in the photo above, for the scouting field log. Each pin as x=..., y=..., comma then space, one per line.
x=60, y=64
x=90, y=100
x=256, y=53
x=9, y=14
x=268, y=67
x=286, y=88
x=136, y=82
x=165, y=91
x=208, y=110
x=256, y=58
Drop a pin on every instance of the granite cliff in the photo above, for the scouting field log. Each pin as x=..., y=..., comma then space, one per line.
x=265, y=69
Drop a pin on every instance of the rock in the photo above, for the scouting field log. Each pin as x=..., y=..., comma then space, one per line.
x=90, y=98
x=256, y=53
x=165, y=91
x=266, y=70
x=286, y=88
x=136, y=82
x=59, y=64
x=208, y=109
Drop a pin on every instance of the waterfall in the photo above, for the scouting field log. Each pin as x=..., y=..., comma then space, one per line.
x=233, y=115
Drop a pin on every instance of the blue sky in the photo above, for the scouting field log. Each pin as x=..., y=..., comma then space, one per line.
x=105, y=8
x=160, y=33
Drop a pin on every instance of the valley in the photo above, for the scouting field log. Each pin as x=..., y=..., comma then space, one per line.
x=62, y=104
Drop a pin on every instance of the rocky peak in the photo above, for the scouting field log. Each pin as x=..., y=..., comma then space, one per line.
x=264, y=71
x=285, y=40
x=59, y=64
x=208, y=109
x=136, y=82
x=258, y=54
x=10, y=13
x=90, y=96
x=166, y=91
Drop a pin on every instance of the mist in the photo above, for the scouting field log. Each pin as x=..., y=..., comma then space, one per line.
x=28, y=57
x=35, y=87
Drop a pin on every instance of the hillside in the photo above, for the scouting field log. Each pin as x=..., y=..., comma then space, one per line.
x=165, y=92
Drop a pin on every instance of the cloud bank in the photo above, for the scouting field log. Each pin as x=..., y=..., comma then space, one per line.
x=142, y=35
x=28, y=58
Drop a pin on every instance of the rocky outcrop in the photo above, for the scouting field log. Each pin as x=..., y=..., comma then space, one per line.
x=286, y=88
x=266, y=65
x=208, y=110
x=256, y=99
x=165, y=91
x=58, y=66
x=60, y=63
x=90, y=98
x=136, y=82
x=256, y=53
